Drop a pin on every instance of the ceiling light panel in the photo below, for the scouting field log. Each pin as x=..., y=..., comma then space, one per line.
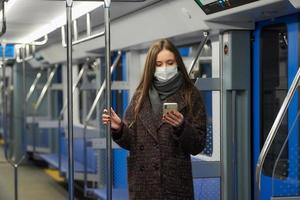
x=40, y=17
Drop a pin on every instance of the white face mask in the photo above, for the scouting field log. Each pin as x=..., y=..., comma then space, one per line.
x=165, y=73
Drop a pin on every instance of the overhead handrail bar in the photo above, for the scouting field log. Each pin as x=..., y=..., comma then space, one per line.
x=89, y=115
x=33, y=85
x=28, y=55
x=23, y=53
x=45, y=88
x=40, y=42
x=80, y=40
x=75, y=31
x=19, y=60
x=89, y=38
x=35, y=43
x=274, y=130
x=88, y=25
x=199, y=50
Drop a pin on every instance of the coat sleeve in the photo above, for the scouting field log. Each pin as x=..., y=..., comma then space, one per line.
x=124, y=137
x=191, y=135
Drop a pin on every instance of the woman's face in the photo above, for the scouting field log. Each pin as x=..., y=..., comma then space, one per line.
x=165, y=58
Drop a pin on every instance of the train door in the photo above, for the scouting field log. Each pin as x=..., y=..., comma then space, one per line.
x=223, y=170
x=275, y=62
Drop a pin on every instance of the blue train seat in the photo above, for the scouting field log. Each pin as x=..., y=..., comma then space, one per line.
x=53, y=159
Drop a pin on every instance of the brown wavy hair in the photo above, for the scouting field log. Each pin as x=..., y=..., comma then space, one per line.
x=149, y=69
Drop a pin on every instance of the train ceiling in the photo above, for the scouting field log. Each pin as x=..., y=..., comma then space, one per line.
x=28, y=21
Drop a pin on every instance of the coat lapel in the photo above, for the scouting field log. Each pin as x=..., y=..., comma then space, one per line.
x=149, y=119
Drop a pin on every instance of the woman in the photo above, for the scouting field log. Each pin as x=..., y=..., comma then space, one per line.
x=159, y=164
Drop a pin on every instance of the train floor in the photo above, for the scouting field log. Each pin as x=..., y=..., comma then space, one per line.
x=34, y=183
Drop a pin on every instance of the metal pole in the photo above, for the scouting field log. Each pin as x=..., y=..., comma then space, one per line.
x=4, y=103
x=4, y=96
x=70, y=100
x=234, y=146
x=16, y=181
x=89, y=115
x=223, y=191
x=59, y=143
x=80, y=74
x=88, y=24
x=85, y=160
x=24, y=97
x=107, y=4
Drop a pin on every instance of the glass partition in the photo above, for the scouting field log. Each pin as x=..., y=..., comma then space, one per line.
x=285, y=173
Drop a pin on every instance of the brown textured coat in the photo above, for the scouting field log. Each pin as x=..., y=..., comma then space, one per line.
x=159, y=165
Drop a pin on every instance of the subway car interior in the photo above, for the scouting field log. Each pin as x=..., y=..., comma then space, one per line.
x=64, y=61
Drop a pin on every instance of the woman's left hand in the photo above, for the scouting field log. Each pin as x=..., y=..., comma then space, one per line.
x=174, y=118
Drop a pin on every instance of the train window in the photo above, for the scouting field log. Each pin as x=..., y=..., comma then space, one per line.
x=203, y=67
x=88, y=90
x=274, y=65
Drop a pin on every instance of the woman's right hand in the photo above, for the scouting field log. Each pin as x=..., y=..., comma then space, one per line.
x=114, y=119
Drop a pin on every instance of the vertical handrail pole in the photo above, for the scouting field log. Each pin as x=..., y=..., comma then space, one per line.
x=234, y=144
x=80, y=74
x=5, y=122
x=16, y=181
x=88, y=117
x=4, y=103
x=69, y=4
x=59, y=144
x=4, y=96
x=107, y=4
x=85, y=189
x=61, y=114
x=24, y=97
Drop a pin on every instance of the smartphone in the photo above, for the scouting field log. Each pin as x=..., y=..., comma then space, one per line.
x=167, y=107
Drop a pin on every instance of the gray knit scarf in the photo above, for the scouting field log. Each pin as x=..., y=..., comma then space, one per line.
x=162, y=90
